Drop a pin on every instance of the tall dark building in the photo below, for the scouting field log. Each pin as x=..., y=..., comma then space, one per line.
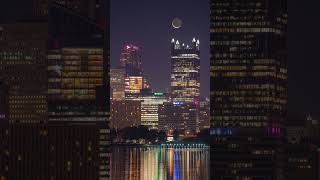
x=54, y=62
x=248, y=87
x=248, y=63
x=78, y=89
x=185, y=71
x=23, y=39
x=23, y=69
x=131, y=60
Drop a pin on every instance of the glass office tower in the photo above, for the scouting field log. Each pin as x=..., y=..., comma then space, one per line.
x=248, y=87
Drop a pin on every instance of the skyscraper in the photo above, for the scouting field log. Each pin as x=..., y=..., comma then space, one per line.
x=248, y=63
x=248, y=88
x=185, y=71
x=131, y=60
x=78, y=89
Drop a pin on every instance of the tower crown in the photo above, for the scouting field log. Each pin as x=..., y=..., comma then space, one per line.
x=194, y=45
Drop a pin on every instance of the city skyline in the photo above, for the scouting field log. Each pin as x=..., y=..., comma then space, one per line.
x=303, y=94
x=153, y=34
x=140, y=90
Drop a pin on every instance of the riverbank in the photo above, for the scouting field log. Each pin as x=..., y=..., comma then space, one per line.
x=177, y=144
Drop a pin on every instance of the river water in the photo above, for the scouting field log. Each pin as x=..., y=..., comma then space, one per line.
x=157, y=163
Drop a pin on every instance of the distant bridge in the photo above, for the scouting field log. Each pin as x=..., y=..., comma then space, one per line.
x=185, y=145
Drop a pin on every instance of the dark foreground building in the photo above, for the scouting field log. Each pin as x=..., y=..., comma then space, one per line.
x=302, y=149
x=55, y=151
x=23, y=69
x=78, y=90
x=54, y=62
x=248, y=88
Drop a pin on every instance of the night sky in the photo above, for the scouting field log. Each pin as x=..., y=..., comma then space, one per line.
x=147, y=24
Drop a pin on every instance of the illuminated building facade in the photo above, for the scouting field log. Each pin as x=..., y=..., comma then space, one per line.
x=133, y=86
x=117, y=84
x=178, y=117
x=76, y=73
x=149, y=107
x=126, y=113
x=131, y=60
x=248, y=88
x=185, y=71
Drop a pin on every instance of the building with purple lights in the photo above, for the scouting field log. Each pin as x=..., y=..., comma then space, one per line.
x=131, y=60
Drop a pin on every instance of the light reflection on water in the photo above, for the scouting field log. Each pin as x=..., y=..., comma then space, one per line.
x=155, y=163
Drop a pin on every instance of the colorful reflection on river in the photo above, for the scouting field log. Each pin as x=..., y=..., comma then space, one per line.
x=156, y=163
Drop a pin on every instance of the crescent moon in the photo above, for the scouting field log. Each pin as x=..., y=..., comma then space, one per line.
x=176, y=23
